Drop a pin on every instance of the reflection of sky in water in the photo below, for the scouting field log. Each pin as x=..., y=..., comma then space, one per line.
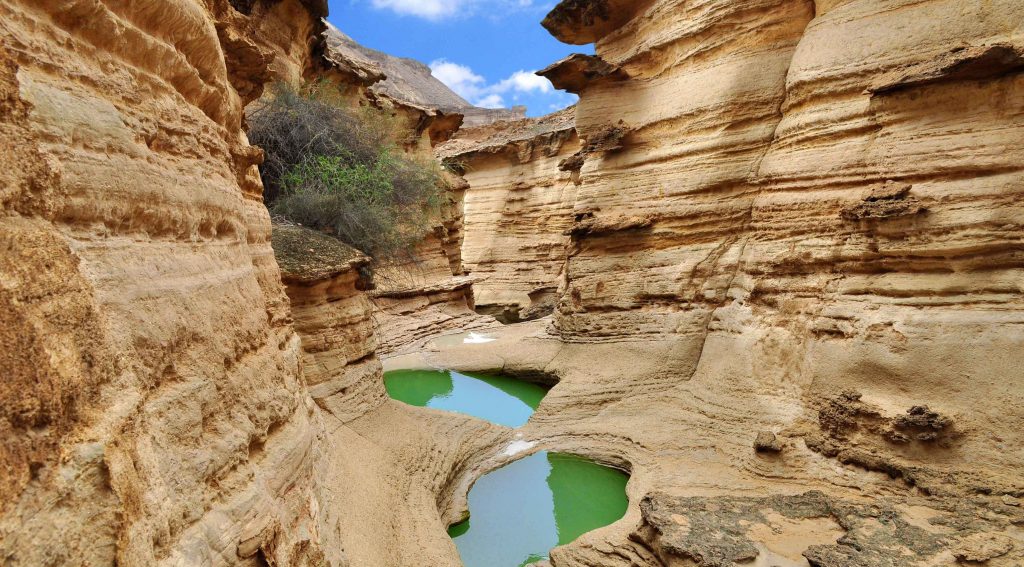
x=498, y=399
x=521, y=511
x=470, y=338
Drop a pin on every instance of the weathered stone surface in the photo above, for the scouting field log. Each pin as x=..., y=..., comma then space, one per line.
x=698, y=494
x=158, y=406
x=517, y=209
x=767, y=442
x=333, y=318
x=805, y=191
x=743, y=250
x=153, y=396
x=803, y=199
x=576, y=71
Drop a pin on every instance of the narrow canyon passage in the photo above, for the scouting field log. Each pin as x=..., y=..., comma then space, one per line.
x=755, y=300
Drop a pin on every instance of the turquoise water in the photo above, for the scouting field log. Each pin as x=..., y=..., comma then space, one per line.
x=520, y=511
x=499, y=399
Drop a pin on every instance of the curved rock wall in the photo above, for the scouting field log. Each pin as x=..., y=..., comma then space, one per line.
x=518, y=209
x=153, y=410
x=824, y=196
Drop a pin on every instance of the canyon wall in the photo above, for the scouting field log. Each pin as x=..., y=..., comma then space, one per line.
x=815, y=208
x=518, y=209
x=158, y=406
x=333, y=318
x=430, y=294
x=152, y=407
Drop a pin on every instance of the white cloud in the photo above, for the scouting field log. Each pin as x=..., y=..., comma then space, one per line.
x=491, y=101
x=524, y=82
x=429, y=9
x=459, y=78
x=475, y=89
x=439, y=9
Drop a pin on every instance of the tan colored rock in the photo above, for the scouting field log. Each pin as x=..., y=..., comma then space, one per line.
x=767, y=442
x=979, y=548
x=517, y=208
x=153, y=395
x=411, y=81
x=333, y=317
x=817, y=196
x=748, y=252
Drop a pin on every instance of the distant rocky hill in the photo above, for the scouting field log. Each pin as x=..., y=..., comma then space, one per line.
x=410, y=81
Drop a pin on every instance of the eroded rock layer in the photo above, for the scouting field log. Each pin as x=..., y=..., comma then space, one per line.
x=158, y=407
x=430, y=294
x=815, y=209
x=152, y=410
x=332, y=316
x=517, y=210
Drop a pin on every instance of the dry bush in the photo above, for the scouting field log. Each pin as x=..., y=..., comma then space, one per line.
x=335, y=169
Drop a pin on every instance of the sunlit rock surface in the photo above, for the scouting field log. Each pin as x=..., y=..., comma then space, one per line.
x=153, y=410
x=158, y=406
x=811, y=214
x=517, y=210
x=797, y=228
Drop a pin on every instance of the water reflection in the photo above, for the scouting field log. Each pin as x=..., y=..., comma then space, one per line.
x=500, y=399
x=521, y=511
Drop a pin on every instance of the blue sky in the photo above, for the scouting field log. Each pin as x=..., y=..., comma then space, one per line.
x=485, y=50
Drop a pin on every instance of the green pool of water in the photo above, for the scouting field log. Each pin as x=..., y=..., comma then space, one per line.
x=500, y=399
x=520, y=511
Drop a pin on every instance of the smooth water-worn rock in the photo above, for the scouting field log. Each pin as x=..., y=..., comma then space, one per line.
x=152, y=392
x=792, y=217
x=808, y=214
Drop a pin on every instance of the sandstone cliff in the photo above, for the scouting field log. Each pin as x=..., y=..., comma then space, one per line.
x=431, y=294
x=159, y=407
x=790, y=304
x=815, y=209
x=332, y=316
x=518, y=210
x=152, y=396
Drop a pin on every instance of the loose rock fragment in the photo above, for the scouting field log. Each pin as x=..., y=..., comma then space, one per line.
x=766, y=442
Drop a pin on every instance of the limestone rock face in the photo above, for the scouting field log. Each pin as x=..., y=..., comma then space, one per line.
x=332, y=316
x=518, y=210
x=830, y=192
x=153, y=411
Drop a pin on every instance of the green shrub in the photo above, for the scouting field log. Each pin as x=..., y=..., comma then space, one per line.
x=335, y=169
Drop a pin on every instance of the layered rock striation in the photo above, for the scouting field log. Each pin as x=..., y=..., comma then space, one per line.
x=518, y=209
x=333, y=318
x=159, y=406
x=153, y=396
x=810, y=214
x=431, y=293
